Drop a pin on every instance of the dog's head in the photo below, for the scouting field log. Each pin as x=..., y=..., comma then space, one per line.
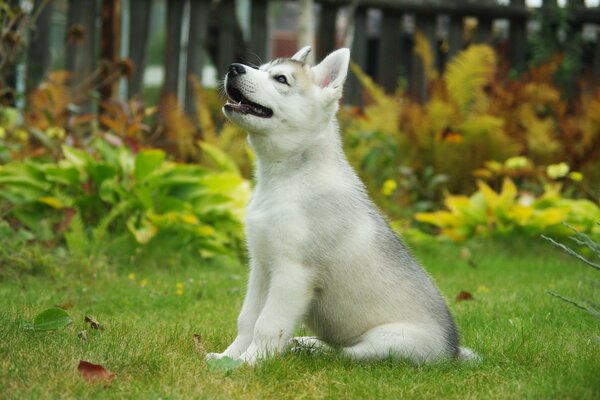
x=285, y=94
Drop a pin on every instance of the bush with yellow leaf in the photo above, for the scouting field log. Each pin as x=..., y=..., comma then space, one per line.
x=509, y=211
x=475, y=113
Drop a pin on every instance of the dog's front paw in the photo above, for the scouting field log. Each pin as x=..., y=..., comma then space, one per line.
x=249, y=358
x=214, y=356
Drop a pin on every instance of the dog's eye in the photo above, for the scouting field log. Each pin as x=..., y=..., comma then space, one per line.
x=281, y=79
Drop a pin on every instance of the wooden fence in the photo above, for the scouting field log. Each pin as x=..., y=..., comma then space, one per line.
x=206, y=27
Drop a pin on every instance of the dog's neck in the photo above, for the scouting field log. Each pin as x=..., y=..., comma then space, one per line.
x=281, y=157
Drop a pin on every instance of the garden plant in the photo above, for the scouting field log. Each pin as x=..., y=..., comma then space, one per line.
x=122, y=257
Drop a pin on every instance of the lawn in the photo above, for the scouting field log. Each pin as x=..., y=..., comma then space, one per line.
x=533, y=345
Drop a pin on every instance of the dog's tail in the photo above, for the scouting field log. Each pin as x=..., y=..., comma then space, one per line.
x=467, y=355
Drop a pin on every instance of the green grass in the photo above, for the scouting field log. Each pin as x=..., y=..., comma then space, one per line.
x=533, y=345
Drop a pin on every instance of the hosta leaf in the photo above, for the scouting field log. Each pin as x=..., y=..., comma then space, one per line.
x=50, y=319
x=78, y=158
x=146, y=162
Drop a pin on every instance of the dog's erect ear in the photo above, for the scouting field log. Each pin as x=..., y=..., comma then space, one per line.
x=331, y=72
x=302, y=54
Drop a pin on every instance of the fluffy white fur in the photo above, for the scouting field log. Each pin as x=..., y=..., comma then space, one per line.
x=321, y=253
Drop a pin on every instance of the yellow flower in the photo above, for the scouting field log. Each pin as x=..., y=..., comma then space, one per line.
x=482, y=289
x=2, y=132
x=556, y=171
x=21, y=134
x=516, y=162
x=143, y=282
x=576, y=176
x=389, y=187
x=55, y=132
x=131, y=276
x=179, y=289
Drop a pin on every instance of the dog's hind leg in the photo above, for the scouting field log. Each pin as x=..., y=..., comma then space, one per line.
x=418, y=344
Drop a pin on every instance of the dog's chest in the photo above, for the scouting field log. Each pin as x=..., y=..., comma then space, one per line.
x=276, y=224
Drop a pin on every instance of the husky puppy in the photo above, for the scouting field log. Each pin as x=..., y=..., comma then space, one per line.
x=320, y=251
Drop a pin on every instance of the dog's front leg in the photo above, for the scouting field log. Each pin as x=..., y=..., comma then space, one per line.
x=253, y=304
x=290, y=293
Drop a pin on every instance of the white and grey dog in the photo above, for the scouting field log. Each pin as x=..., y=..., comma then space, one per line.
x=320, y=251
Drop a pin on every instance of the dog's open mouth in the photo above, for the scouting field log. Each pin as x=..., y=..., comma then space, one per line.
x=238, y=103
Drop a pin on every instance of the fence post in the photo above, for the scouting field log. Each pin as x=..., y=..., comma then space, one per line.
x=226, y=52
x=81, y=38
x=518, y=38
x=359, y=54
x=38, y=54
x=455, y=36
x=110, y=43
x=257, y=53
x=484, y=32
x=139, y=29
x=199, y=10
x=173, y=45
x=327, y=33
x=390, y=49
x=426, y=23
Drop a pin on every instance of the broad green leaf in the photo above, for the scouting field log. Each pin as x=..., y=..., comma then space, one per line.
x=51, y=319
x=77, y=157
x=143, y=233
x=146, y=162
x=101, y=171
x=52, y=202
x=218, y=156
x=225, y=364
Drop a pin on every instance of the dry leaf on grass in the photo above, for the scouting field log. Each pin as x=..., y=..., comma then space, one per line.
x=198, y=343
x=464, y=295
x=94, y=324
x=94, y=372
x=65, y=306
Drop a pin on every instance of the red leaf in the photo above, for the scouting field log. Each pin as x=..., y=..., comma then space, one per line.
x=94, y=372
x=464, y=295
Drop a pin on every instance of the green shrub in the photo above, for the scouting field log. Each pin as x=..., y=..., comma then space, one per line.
x=110, y=195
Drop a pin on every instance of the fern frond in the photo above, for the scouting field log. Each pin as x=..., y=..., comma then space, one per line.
x=180, y=130
x=376, y=92
x=99, y=232
x=207, y=125
x=76, y=237
x=422, y=49
x=467, y=75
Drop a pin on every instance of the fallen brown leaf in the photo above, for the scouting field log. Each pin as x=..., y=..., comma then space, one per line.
x=94, y=372
x=64, y=306
x=463, y=296
x=198, y=343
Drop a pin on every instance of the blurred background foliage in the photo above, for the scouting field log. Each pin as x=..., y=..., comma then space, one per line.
x=493, y=151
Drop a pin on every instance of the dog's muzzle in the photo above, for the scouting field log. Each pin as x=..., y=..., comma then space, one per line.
x=236, y=69
x=237, y=101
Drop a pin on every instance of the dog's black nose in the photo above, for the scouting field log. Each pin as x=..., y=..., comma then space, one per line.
x=236, y=69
